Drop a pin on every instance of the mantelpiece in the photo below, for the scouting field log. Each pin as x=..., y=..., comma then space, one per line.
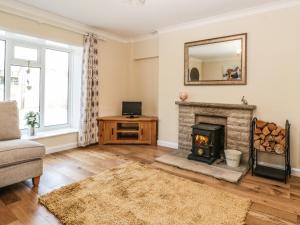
x=217, y=105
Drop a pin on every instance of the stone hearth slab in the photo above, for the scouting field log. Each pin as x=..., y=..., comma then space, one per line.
x=219, y=171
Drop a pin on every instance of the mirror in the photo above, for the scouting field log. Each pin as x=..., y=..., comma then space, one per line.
x=216, y=61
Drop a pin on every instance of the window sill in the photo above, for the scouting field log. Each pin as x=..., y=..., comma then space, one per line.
x=47, y=134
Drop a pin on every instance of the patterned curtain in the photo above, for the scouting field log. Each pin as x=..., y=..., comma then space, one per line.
x=88, y=133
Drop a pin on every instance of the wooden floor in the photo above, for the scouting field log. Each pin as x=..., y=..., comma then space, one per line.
x=273, y=202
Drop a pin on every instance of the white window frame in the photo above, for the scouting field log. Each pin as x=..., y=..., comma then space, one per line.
x=40, y=63
x=5, y=57
x=14, y=43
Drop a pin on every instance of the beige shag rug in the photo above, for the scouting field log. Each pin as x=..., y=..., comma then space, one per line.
x=136, y=194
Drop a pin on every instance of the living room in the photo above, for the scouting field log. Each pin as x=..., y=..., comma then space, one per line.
x=120, y=95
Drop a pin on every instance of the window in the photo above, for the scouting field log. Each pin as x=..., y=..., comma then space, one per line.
x=2, y=62
x=25, y=89
x=56, y=90
x=41, y=78
x=23, y=53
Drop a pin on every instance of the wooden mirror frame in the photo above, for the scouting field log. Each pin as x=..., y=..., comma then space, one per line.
x=243, y=81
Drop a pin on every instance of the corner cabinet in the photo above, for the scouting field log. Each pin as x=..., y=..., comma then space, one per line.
x=124, y=130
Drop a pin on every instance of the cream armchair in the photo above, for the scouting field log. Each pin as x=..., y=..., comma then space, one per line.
x=19, y=159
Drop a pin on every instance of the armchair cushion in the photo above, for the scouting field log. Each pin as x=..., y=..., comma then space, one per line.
x=19, y=151
x=9, y=120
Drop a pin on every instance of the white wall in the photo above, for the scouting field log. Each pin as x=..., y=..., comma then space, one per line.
x=114, y=76
x=273, y=71
x=143, y=75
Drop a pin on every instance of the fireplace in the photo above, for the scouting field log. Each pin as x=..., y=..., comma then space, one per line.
x=207, y=142
x=236, y=119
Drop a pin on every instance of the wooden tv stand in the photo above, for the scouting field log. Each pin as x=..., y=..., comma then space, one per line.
x=125, y=130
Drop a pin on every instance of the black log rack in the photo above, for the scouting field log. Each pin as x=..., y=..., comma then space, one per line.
x=277, y=173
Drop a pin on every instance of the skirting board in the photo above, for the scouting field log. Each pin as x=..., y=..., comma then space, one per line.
x=295, y=171
x=167, y=144
x=60, y=148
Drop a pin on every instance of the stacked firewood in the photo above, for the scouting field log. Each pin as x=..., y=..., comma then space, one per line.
x=268, y=137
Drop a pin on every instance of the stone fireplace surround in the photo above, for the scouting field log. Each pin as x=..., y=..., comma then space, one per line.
x=236, y=119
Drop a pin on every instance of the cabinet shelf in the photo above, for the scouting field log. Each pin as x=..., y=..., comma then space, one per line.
x=127, y=126
x=127, y=131
x=272, y=153
x=127, y=136
x=269, y=172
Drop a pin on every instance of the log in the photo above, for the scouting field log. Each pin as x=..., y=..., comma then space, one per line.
x=257, y=131
x=257, y=144
x=266, y=131
x=260, y=123
x=278, y=138
x=282, y=142
x=272, y=126
x=262, y=136
x=269, y=149
x=262, y=148
x=270, y=138
x=279, y=149
x=256, y=137
x=266, y=144
x=272, y=144
x=277, y=131
x=282, y=132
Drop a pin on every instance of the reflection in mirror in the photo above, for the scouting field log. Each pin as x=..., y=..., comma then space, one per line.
x=216, y=61
x=194, y=74
x=219, y=61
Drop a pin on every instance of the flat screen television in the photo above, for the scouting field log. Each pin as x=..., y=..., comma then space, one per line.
x=131, y=108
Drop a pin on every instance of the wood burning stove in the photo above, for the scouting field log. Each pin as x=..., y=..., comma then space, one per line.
x=207, y=142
